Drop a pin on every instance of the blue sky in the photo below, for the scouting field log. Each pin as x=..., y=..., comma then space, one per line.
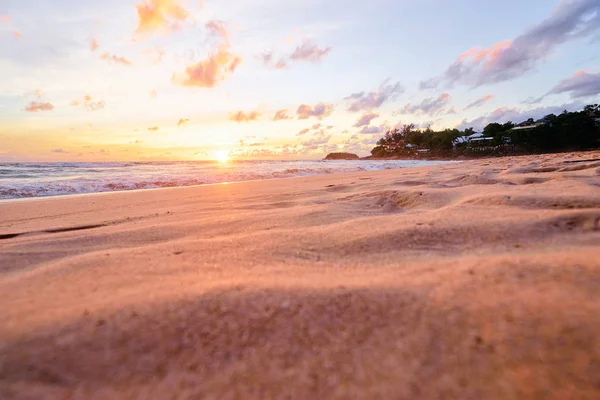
x=177, y=79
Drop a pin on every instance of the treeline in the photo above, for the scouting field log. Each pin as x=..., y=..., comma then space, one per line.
x=565, y=132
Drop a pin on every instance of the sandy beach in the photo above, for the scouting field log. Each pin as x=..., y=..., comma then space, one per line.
x=473, y=280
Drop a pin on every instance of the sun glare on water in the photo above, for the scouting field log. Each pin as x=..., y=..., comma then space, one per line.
x=222, y=156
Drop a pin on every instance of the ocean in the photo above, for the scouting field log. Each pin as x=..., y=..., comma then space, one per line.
x=23, y=180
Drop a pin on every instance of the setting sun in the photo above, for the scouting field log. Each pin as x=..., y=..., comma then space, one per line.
x=222, y=156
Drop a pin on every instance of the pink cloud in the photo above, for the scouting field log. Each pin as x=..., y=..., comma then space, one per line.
x=4, y=19
x=88, y=103
x=510, y=59
x=94, y=45
x=281, y=115
x=160, y=15
x=268, y=61
x=320, y=111
x=480, y=102
x=309, y=52
x=368, y=101
x=241, y=116
x=217, y=67
x=365, y=120
x=113, y=58
x=17, y=34
x=36, y=106
x=431, y=106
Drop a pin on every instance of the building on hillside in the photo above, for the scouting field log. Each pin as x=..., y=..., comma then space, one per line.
x=520, y=128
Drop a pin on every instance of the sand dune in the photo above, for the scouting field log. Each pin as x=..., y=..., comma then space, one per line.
x=474, y=280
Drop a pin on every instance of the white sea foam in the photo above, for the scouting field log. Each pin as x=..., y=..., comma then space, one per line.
x=20, y=180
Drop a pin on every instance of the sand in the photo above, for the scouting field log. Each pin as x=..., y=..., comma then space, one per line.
x=474, y=280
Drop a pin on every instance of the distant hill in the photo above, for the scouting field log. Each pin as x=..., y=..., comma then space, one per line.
x=341, y=156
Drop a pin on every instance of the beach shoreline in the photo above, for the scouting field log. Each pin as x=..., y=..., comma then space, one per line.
x=466, y=280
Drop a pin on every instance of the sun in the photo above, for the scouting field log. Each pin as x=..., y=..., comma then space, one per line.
x=222, y=156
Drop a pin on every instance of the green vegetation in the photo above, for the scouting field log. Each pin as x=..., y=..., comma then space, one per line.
x=341, y=156
x=569, y=131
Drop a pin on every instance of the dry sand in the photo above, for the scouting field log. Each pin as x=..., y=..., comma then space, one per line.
x=476, y=280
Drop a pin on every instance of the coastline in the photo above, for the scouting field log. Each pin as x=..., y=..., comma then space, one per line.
x=476, y=278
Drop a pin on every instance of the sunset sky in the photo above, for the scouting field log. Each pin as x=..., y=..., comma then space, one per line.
x=186, y=80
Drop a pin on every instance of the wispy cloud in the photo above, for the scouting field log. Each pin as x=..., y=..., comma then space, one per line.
x=4, y=19
x=365, y=120
x=308, y=51
x=153, y=128
x=17, y=34
x=582, y=84
x=320, y=111
x=368, y=101
x=88, y=103
x=281, y=115
x=182, y=122
x=372, y=130
x=479, y=102
x=160, y=15
x=430, y=106
x=37, y=106
x=106, y=56
x=509, y=59
x=268, y=60
x=94, y=45
x=241, y=116
x=217, y=67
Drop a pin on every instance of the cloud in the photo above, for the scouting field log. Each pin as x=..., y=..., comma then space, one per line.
x=371, y=130
x=217, y=67
x=17, y=34
x=430, y=106
x=281, y=115
x=316, y=140
x=309, y=52
x=61, y=151
x=303, y=132
x=182, y=121
x=516, y=115
x=113, y=58
x=268, y=58
x=153, y=128
x=582, y=84
x=36, y=106
x=503, y=61
x=217, y=29
x=160, y=15
x=320, y=111
x=88, y=103
x=363, y=101
x=153, y=94
x=479, y=102
x=4, y=19
x=365, y=120
x=94, y=45
x=241, y=116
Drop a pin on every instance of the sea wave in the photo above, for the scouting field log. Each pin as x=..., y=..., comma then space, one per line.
x=23, y=180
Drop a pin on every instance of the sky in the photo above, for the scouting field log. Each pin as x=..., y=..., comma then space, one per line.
x=126, y=80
